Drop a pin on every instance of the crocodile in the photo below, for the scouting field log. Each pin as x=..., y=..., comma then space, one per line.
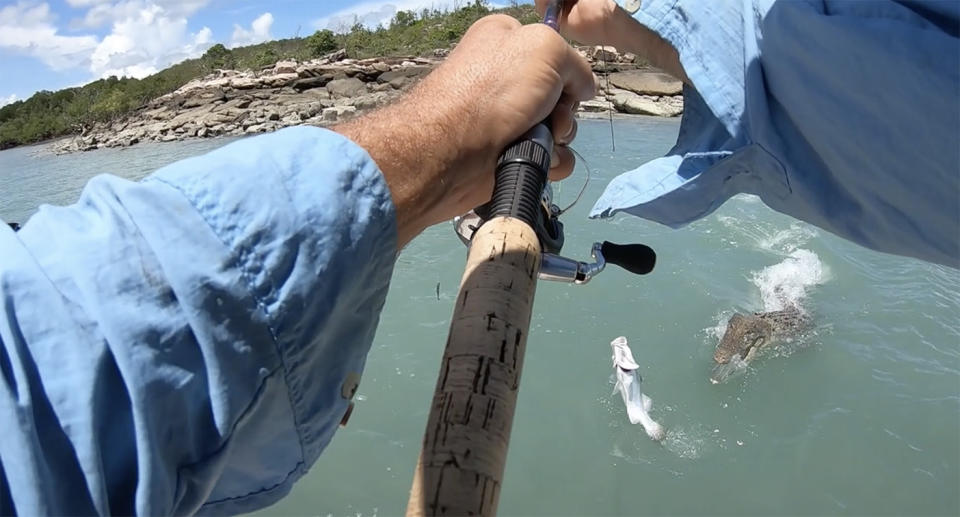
x=747, y=333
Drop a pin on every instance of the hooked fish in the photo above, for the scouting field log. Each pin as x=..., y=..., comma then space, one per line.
x=628, y=384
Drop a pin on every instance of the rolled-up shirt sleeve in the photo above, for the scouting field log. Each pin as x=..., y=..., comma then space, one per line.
x=842, y=114
x=189, y=343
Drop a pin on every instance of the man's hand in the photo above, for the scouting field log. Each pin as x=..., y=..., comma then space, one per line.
x=602, y=22
x=438, y=145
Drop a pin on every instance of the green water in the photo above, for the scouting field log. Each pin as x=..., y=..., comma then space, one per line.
x=859, y=416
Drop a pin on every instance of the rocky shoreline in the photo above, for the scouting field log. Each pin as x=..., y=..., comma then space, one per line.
x=324, y=91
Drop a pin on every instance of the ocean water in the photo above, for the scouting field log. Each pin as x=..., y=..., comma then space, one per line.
x=859, y=415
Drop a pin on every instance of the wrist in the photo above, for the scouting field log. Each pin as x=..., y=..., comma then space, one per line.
x=632, y=36
x=411, y=146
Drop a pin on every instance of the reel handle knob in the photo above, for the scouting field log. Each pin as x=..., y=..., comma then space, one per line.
x=635, y=258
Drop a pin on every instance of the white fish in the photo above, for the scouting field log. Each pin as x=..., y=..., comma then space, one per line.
x=628, y=383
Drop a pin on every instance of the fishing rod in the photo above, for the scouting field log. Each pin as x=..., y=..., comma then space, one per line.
x=514, y=240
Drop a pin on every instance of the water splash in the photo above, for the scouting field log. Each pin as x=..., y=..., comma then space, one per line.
x=788, y=282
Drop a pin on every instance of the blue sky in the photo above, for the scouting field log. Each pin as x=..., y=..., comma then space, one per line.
x=53, y=44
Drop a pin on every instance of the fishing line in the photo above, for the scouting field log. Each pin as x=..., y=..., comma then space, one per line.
x=585, y=182
x=606, y=76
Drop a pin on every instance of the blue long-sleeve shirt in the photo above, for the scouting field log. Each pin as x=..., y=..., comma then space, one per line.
x=845, y=114
x=190, y=343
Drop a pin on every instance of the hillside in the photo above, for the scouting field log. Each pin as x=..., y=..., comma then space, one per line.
x=48, y=114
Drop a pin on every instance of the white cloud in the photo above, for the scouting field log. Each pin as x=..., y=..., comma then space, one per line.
x=372, y=14
x=10, y=99
x=102, y=12
x=28, y=29
x=258, y=33
x=150, y=40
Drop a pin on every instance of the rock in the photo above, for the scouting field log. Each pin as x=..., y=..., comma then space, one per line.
x=604, y=53
x=285, y=67
x=273, y=116
x=441, y=53
x=244, y=83
x=351, y=87
x=370, y=101
x=202, y=132
x=193, y=102
x=412, y=71
x=380, y=66
x=312, y=82
x=399, y=83
x=345, y=112
x=596, y=105
x=333, y=57
x=646, y=83
x=329, y=114
x=279, y=80
x=258, y=128
x=638, y=105
x=381, y=87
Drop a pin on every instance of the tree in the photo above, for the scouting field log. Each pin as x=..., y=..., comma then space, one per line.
x=322, y=42
x=218, y=56
x=403, y=19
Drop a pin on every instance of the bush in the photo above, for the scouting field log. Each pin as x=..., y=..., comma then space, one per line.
x=322, y=42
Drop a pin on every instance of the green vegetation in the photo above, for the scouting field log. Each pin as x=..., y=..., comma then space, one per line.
x=51, y=114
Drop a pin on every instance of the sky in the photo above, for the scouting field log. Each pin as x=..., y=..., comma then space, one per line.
x=54, y=44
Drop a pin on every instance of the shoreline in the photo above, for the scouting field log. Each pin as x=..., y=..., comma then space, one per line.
x=334, y=88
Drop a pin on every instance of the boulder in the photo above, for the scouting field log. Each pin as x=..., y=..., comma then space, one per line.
x=329, y=115
x=411, y=71
x=351, y=87
x=244, y=83
x=278, y=80
x=604, y=53
x=596, y=105
x=646, y=83
x=285, y=67
x=312, y=82
x=370, y=101
x=399, y=83
x=642, y=105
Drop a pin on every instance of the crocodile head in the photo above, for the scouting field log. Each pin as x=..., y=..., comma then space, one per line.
x=744, y=336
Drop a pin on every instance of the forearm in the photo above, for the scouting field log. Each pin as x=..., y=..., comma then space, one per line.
x=631, y=36
x=412, y=145
x=187, y=340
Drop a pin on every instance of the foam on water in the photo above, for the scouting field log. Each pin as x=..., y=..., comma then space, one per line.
x=788, y=282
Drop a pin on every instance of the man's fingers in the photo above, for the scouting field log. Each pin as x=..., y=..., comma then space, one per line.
x=563, y=124
x=562, y=162
x=578, y=79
